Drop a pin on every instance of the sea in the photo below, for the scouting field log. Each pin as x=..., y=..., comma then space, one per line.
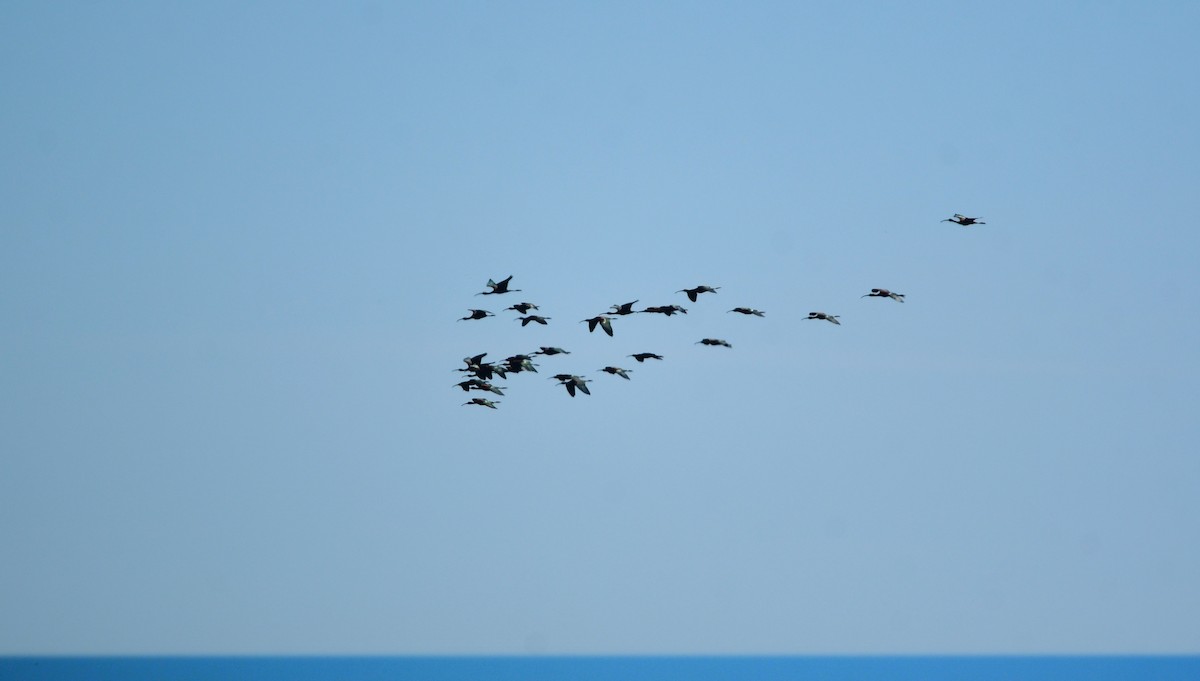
x=606, y=668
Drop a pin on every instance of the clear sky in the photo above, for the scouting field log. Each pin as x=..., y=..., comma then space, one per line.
x=235, y=238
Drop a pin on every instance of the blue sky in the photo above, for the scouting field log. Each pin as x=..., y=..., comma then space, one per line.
x=236, y=238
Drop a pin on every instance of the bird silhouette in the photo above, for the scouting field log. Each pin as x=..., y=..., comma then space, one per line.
x=572, y=382
x=693, y=292
x=618, y=371
x=521, y=308
x=477, y=314
x=884, y=293
x=532, y=318
x=666, y=309
x=498, y=287
x=643, y=356
x=827, y=317
x=550, y=351
x=623, y=308
x=604, y=323
x=714, y=341
x=476, y=384
x=481, y=402
x=518, y=363
x=960, y=219
x=748, y=311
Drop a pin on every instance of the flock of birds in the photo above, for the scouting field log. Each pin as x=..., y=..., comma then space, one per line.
x=483, y=373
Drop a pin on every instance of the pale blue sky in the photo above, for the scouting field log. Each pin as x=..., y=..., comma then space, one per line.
x=235, y=238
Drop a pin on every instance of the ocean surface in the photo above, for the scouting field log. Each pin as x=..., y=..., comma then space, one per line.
x=596, y=668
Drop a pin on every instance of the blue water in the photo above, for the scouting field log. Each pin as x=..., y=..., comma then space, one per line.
x=625, y=668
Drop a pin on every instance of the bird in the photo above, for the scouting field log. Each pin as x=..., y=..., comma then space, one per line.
x=572, y=382
x=498, y=287
x=714, y=341
x=477, y=314
x=477, y=384
x=884, y=293
x=532, y=318
x=522, y=308
x=960, y=219
x=666, y=309
x=643, y=356
x=747, y=310
x=618, y=371
x=827, y=317
x=518, y=363
x=550, y=351
x=623, y=308
x=481, y=402
x=604, y=323
x=693, y=292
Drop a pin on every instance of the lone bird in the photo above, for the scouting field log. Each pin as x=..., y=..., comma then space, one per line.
x=477, y=314
x=714, y=341
x=618, y=371
x=532, y=318
x=833, y=318
x=481, y=402
x=643, y=356
x=747, y=310
x=521, y=308
x=960, y=219
x=693, y=292
x=550, y=351
x=623, y=309
x=884, y=293
x=572, y=382
x=498, y=287
x=604, y=323
x=666, y=309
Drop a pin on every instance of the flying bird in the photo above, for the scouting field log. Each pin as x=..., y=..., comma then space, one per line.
x=693, y=292
x=623, y=308
x=532, y=318
x=748, y=311
x=572, y=382
x=498, y=287
x=477, y=314
x=477, y=384
x=960, y=219
x=550, y=351
x=481, y=402
x=714, y=341
x=618, y=371
x=604, y=323
x=666, y=309
x=827, y=317
x=521, y=308
x=884, y=293
x=643, y=356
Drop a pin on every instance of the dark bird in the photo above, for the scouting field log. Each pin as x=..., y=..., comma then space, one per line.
x=572, y=382
x=693, y=292
x=518, y=363
x=550, y=351
x=666, y=309
x=477, y=314
x=884, y=293
x=532, y=318
x=481, y=402
x=476, y=384
x=714, y=341
x=624, y=308
x=960, y=219
x=521, y=308
x=827, y=317
x=498, y=287
x=643, y=356
x=747, y=310
x=604, y=323
x=618, y=371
